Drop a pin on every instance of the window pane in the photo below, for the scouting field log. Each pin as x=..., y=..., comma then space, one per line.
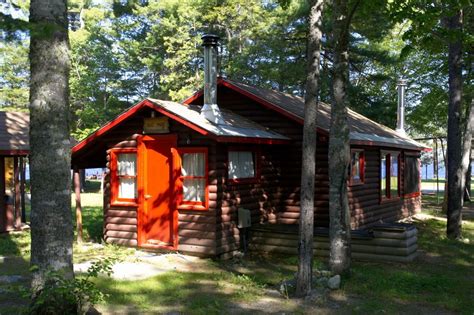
x=355, y=166
x=193, y=164
x=383, y=174
x=127, y=164
x=127, y=188
x=412, y=175
x=194, y=189
x=394, y=175
x=241, y=165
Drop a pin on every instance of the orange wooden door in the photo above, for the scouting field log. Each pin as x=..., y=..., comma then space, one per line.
x=157, y=222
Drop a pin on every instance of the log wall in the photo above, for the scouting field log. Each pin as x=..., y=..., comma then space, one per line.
x=120, y=222
x=273, y=199
x=396, y=243
x=197, y=230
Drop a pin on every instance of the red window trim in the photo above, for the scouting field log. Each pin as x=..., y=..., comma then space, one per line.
x=415, y=155
x=353, y=182
x=194, y=205
x=256, y=163
x=114, y=179
x=388, y=195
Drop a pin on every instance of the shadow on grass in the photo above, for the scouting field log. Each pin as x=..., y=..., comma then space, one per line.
x=14, y=271
x=188, y=293
x=440, y=278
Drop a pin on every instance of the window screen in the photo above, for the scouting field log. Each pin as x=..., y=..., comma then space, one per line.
x=412, y=175
x=241, y=164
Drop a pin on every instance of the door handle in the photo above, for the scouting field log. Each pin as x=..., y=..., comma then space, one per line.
x=147, y=196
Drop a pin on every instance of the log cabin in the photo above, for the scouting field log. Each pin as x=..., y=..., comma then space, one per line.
x=14, y=149
x=178, y=173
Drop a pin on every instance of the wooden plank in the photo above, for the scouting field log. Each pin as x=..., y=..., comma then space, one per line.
x=121, y=234
x=197, y=250
x=122, y=213
x=121, y=227
x=197, y=241
x=121, y=241
x=121, y=220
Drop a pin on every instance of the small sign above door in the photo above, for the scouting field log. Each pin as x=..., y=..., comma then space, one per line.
x=156, y=125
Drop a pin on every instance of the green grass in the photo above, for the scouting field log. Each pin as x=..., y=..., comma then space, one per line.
x=441, y=278
x=189, y=293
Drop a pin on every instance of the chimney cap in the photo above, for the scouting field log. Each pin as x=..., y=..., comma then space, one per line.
x=402, y=81
x=210, y=40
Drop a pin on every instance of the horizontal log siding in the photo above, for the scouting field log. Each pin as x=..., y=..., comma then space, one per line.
x=197, y=229
x=261, y=197
x=120, y=223
x=364, y=200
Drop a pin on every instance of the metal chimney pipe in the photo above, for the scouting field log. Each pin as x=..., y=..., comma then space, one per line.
x=210, y=110
x=401, y=87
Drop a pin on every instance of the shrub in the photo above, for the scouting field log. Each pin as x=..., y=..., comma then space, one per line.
x=61, y=295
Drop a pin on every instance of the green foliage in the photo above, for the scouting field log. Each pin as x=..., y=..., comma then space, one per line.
x=14, y=74
x=129, y=50
x=61, y=295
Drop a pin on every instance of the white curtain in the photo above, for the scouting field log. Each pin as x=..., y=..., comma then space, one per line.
x=193, y=164
x=241, y=165
x=127, y=188
x=126, y=166
x=194, y=189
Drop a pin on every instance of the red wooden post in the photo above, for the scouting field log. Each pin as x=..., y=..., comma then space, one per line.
x=3, y=208
x=22, y=188
x=77, y=192
x=16, y=183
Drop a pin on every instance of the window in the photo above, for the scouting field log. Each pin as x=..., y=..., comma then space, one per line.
x=241, y=165
x=411, y=183
x=389, y=175
x=123, y=169
x=194, y=178
x=357, y=169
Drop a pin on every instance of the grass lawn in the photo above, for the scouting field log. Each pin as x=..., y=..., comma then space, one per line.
x=440, y=280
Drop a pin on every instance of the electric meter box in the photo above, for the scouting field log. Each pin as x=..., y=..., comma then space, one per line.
x=244, y=218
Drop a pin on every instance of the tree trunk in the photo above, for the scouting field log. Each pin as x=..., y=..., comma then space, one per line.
x=51, y=220
x=466, y=154
x=339, y=149
x=454, y=151
x=306, y=224
x=467, y=190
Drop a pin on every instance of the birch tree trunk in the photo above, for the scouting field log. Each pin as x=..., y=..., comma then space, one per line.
x=454, y=150
x=51, y=220
x=306, y=224
x=339, y=149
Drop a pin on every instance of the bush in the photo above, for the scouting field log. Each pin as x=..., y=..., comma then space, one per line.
x=70, y=296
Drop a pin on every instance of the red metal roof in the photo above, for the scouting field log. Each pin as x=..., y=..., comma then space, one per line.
x=364, y=131
x=14, y=133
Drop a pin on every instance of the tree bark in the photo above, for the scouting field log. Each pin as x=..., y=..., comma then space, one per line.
x=467, y=190
x=454, y=151
x=51, y=220
x=306, y=224
x=466, y=154
x=339, y=149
